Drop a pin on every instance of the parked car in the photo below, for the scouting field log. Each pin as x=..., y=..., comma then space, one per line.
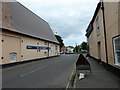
x=62, y=52
x=69, y=52
x=84, y=51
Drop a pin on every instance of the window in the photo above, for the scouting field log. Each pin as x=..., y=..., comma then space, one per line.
x=55, y=47
x=45, y=43
x=97, y=26
x=117, y=50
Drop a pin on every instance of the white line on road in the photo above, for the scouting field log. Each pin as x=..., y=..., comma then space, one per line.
x=32, y=71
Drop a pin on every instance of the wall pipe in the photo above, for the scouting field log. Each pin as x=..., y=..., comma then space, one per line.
x=105, y=37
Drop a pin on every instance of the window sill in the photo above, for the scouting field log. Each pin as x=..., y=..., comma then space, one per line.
x=117, y=65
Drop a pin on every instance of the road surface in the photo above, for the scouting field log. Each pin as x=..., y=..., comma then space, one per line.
x=48, y=73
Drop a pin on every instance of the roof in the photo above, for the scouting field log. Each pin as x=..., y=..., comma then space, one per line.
x=28, y=23
x=90, y=26
x=70, y=47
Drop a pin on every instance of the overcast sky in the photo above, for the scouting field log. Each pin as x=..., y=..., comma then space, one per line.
x=69, y=18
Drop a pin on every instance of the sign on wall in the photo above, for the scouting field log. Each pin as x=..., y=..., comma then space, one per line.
x=38, y=47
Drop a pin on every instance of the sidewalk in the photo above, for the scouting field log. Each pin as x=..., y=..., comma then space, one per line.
x=99, y=78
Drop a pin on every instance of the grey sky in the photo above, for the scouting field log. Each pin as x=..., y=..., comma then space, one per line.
x=69, y=18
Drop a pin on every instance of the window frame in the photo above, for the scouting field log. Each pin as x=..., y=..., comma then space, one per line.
x=97, y=26
x=45, y=43
x=115, y=52
x=56, y=47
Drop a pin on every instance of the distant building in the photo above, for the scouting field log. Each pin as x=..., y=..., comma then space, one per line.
x=70, y=49
x=67, y=49
x=63, y=49
x=103, y=35
x=24, y=35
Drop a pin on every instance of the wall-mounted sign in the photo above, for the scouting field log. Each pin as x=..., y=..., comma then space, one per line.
x=38, y=47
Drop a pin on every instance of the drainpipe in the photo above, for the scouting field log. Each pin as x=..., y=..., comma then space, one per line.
x=105, y=37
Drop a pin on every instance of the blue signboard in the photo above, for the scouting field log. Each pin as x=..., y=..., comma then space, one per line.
x=38, y=47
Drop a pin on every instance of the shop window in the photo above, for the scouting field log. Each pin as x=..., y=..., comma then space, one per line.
x=117, y=50
x=13, y=56
x=97, y=26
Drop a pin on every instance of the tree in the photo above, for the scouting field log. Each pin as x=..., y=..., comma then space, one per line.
x=84, y=45
x=60, y=40
x=77, y=48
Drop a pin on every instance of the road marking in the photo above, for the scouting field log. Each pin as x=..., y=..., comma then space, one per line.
x=74, y=68
x=32, y=71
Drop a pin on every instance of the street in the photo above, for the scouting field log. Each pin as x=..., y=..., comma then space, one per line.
x=48, y=73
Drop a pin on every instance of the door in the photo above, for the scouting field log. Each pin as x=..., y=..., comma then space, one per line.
x=99, y=50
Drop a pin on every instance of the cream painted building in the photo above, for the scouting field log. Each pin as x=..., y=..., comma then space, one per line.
x=103, y=35
x=24, y=36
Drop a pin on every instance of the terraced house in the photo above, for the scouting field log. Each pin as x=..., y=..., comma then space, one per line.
x=24, y=35
x=103, y=35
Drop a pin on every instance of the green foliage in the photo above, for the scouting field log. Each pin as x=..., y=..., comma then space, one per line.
x=84, y=45
x=80, y=53
x=77, y=48
x=60, y=40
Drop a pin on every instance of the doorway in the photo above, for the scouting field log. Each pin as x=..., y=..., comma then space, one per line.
x=99, y=50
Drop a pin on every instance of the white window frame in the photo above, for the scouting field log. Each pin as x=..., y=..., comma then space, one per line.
x=116, y=51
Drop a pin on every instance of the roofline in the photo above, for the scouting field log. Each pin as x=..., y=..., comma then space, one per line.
x=26, y=35
x=89, y=31
x=96, y=12
x=91, y=22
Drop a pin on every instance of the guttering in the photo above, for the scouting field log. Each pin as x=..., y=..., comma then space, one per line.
x=105, y=37
x=89, y=30
x=91, y=23
x=21, y=33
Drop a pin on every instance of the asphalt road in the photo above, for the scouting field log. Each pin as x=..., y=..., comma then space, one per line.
x=49, y=73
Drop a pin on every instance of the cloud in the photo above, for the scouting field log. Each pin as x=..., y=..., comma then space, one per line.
x=69, y=18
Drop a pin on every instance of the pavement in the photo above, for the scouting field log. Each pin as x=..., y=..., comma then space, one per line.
x=99, y=78
x=48, y=73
